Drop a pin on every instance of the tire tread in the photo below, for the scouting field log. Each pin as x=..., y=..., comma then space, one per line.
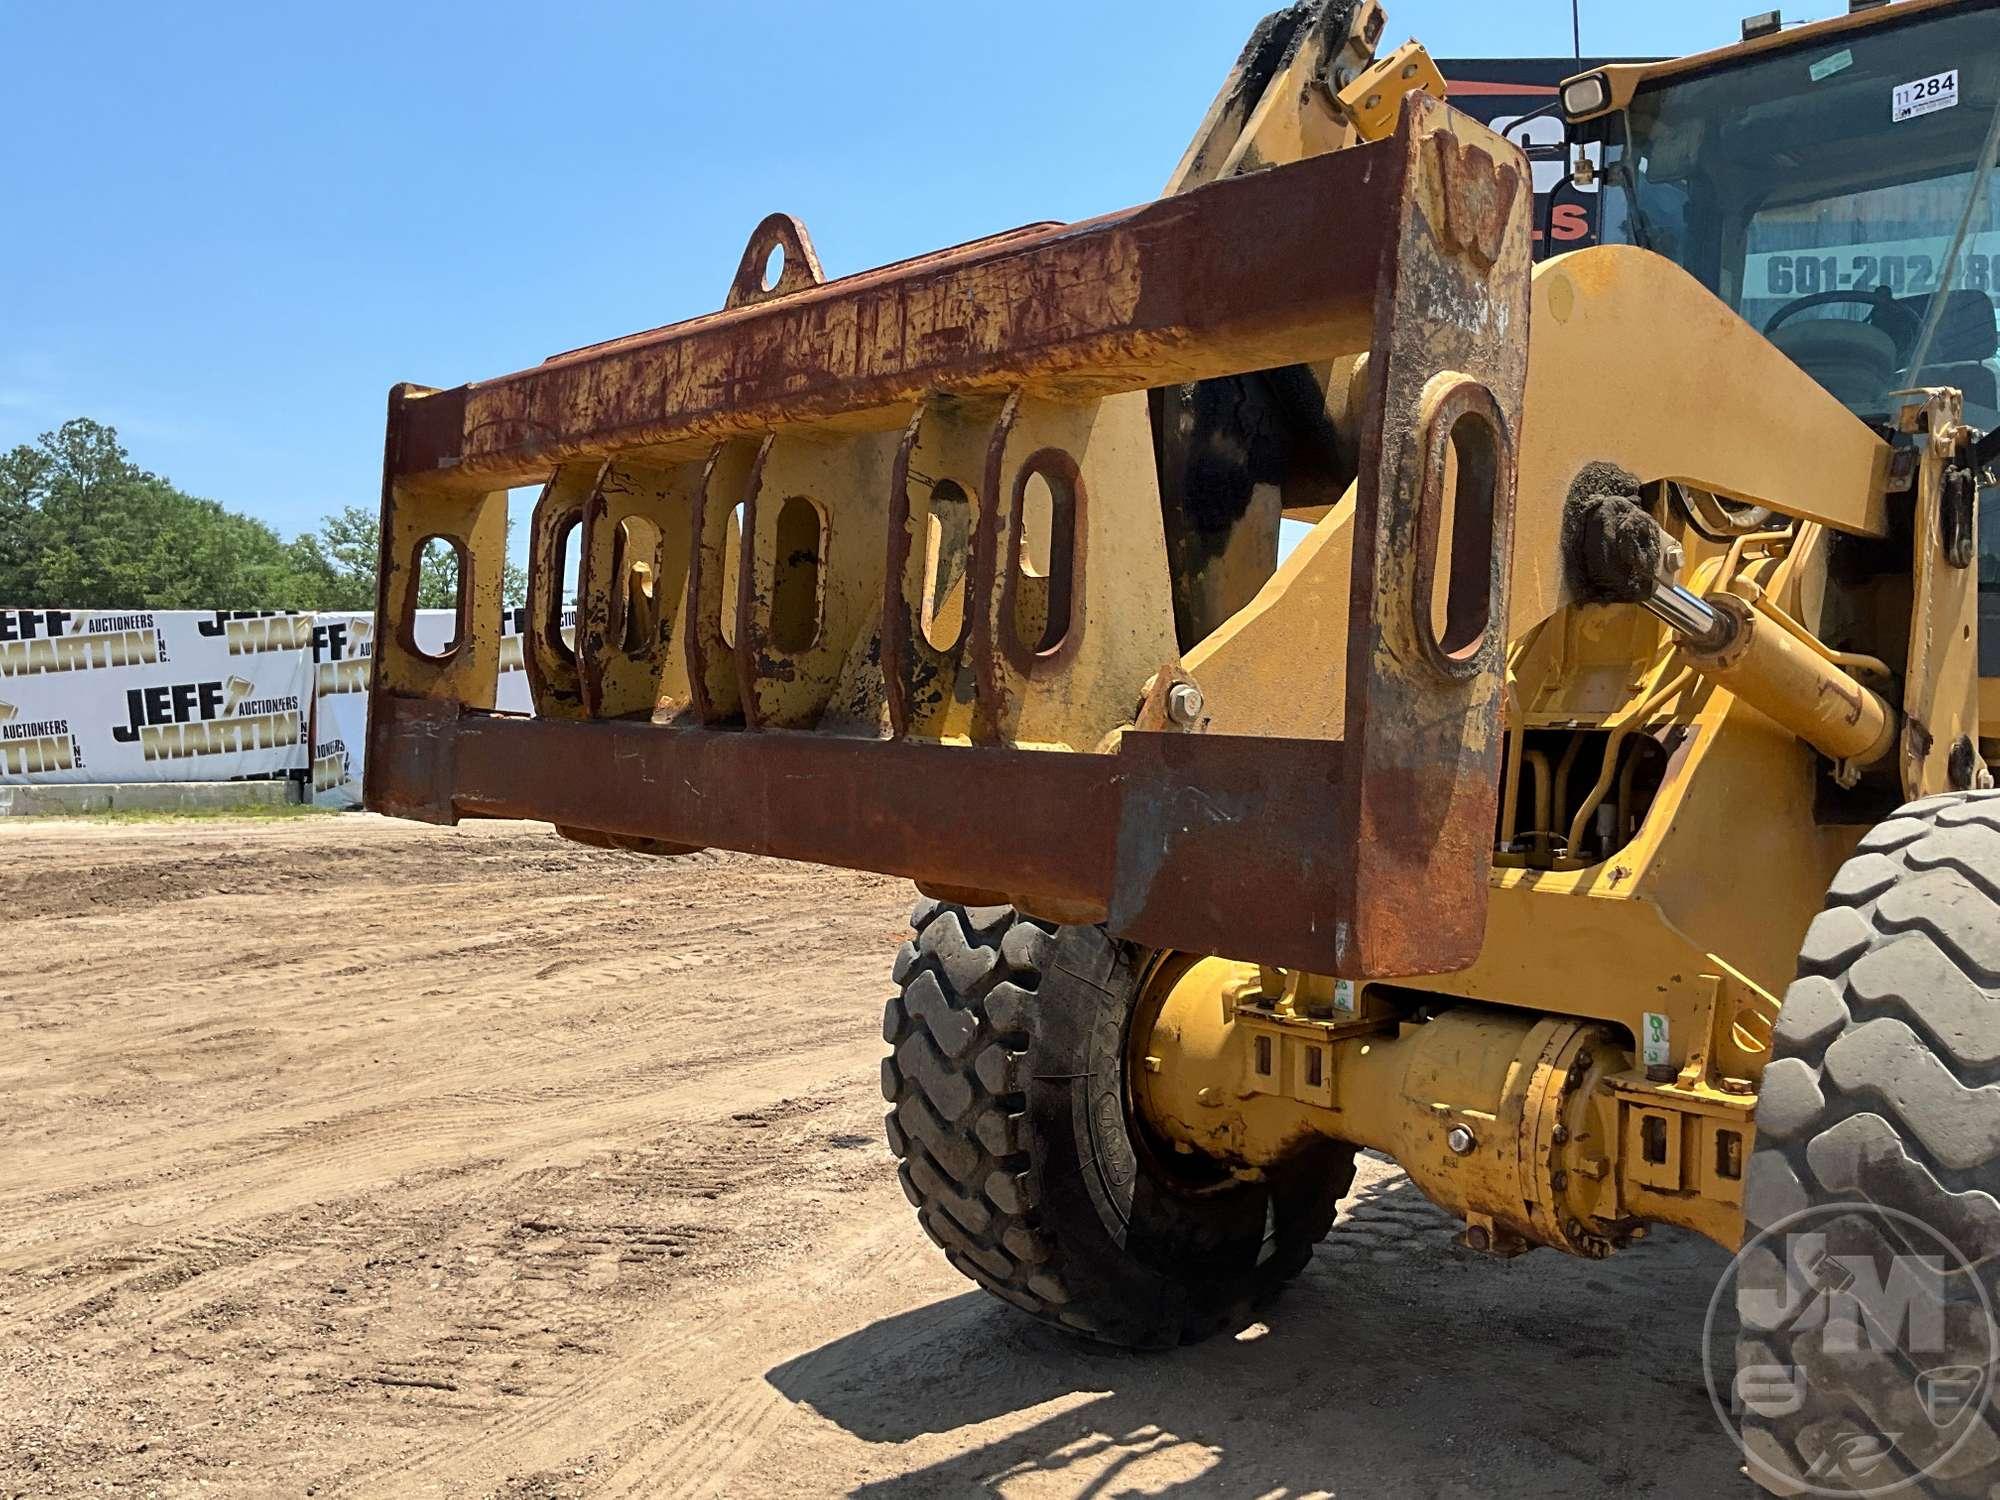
x=1884, y=1087
x=962, y=1026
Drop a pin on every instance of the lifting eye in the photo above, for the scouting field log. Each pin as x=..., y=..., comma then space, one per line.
x=1460, y=607
x=564, y=571
x=1465, y=458
x=636, y=602
x=1046, y=498
x=947, y=550
x=440, y=567
x=732, y=562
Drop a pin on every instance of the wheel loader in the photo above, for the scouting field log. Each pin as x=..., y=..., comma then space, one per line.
x=1591, y=811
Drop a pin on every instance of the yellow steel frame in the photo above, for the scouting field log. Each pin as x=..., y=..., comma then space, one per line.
x=1631, y=364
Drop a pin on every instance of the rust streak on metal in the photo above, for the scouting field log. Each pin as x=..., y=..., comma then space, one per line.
x=1211, y=818
x=902, y=619
x=1158, y=836
x=752, y=637
x=1479, y=197
x=965, y=816
x=1267, y=269
x=1421, y=731
x=988, y=580
x=711, y=662
x=798, y=267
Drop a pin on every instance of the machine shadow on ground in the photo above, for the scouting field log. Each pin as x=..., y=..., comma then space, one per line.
x=1400, y=1365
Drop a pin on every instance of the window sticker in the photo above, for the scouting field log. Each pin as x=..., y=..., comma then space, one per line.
x=1924, y=96
x=1826, y=67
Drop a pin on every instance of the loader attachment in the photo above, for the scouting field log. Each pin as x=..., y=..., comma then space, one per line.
x=871, y=572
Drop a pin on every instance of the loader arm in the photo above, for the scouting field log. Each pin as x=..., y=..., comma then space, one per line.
x=1055, y=755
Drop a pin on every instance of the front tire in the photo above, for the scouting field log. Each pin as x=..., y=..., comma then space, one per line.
x=1011, y=1119
x=1884, y=1092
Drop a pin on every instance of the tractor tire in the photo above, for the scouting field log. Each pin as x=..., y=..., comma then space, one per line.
x=1011, y=1122
x=1879, y=1120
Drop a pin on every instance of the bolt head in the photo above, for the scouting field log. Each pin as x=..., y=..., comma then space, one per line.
x=1184, y=703
x=1461, y=1139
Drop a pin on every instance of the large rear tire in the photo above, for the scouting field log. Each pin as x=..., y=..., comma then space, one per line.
x=1011, y=1119
x=1883, y=1093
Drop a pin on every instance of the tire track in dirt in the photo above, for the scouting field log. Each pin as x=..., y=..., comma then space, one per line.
x=412, y=1147
x=482, y=1164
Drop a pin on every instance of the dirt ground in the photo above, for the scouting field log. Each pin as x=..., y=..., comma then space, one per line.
x=341, y=1156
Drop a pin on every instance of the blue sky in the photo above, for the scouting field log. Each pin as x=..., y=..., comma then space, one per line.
x=229, y=229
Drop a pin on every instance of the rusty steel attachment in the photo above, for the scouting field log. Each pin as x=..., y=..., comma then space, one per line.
x=874, y=571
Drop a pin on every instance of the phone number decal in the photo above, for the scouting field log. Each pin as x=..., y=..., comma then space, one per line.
x=1802, y=275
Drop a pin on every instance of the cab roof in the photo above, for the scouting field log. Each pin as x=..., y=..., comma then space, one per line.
x=1627, y=78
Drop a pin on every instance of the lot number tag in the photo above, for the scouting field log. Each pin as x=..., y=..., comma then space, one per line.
x=1924, y=96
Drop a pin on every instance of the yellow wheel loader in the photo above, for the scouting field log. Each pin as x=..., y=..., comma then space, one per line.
x=1592, y=811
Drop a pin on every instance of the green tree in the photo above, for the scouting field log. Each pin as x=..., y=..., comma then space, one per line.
x=343, y=555
x=336, y=564
x=21, y=479
x=82, y=525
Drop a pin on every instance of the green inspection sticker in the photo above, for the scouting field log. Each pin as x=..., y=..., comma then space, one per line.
x=1826, y=67
x=1655, y=1048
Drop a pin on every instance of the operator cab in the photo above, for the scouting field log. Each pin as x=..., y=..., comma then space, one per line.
x=1818, y=183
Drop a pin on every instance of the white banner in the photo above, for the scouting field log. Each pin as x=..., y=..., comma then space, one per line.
x=153, y=695
x=201, y=695
x=343, y=653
